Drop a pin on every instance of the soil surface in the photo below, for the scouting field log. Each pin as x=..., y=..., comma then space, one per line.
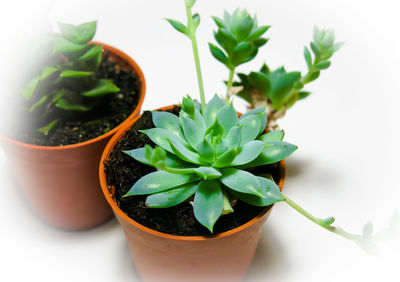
x=123, y=171
x=108, y=114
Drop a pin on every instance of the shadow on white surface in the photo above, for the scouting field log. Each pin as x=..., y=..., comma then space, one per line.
x=269, y=258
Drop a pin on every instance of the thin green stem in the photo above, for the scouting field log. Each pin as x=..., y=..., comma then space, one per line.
x=229, y=84
x=333, y=229
x=192, y=36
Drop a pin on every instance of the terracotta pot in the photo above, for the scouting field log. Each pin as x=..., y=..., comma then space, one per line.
x=61, y=183
x=164, y=257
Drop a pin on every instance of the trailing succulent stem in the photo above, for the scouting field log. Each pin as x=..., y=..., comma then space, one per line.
x=66, y=81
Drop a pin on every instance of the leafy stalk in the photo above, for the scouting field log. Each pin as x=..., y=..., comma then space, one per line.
x=229, y=84
x=366, y=241
x=192, y=36
x=279, y=90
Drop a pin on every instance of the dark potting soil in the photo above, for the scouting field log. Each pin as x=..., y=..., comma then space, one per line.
x=108, y=114
x=123, y=171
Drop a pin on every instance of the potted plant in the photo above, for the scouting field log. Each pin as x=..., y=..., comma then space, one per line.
x=76, y=95
x=192, y=207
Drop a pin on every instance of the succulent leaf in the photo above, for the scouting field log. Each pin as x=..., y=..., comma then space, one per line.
x=159, y=181
x=172, y=197
x=270, y=191
x=208, y=203
x=168, y=122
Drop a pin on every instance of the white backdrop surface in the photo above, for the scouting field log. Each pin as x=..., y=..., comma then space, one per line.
x=347, y=164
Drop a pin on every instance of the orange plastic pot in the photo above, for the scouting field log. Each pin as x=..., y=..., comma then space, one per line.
x=224, y=257
x=61, y=183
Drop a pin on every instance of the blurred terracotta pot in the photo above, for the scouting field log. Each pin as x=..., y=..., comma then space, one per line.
x=224, y=257
x=61, y=183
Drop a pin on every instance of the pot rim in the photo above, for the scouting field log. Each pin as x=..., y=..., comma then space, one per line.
x=104, y=187
x=136, y=111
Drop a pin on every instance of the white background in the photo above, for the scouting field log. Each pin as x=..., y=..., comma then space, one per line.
x=347, y=132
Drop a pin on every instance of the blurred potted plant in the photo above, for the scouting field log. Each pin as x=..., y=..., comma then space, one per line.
x=77, y=94
x=192, y=207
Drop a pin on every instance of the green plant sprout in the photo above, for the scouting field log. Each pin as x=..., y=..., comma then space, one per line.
x=66, y=81
x=240, y=37
x=205, y=155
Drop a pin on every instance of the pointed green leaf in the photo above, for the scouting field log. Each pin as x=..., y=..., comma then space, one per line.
x=208, y=203
x=159, y=181
x=160, y=136
x=227, y=207
x=304, y=94
x=241, y=24
x=226, y=158
x=67, y=105
x=170, y=161
x=323, y=65
x=191, y=132
x=218, y=54
x=248, y=152
x=325, y=222
x=179, y=26
x=196, y=20
x=172, y=197
x=215, y=130
x=38, y=104
x=28, y=91
x=45, y=130
x=260, y=81
x=94, y=51
x=250, y=128
x=275, y=152
x=233, y=137
x=140, y=155
x=276, y=135
x=241, y=53
x=213, y=106
x=167, y=121
x=207, y=173
x=184, y=153
x=219, y=22
x=78, y=34
x=282, y=88
x=62, y=45
x=47, y=71
x=206, y=151
x=315, y=49
x=270, y=191
x=241, y=181
x=257, y=111
x=227, y=118
x=312, y=77
x=101, y=88
x=221, y=146
x=307, y=57
x=257, y=32
x=188, y=106
x=74, y=73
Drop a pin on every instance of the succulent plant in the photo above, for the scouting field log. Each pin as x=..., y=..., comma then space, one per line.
x=240, y=37
x=279, y=90
x=207, y=155
x=65, y=79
